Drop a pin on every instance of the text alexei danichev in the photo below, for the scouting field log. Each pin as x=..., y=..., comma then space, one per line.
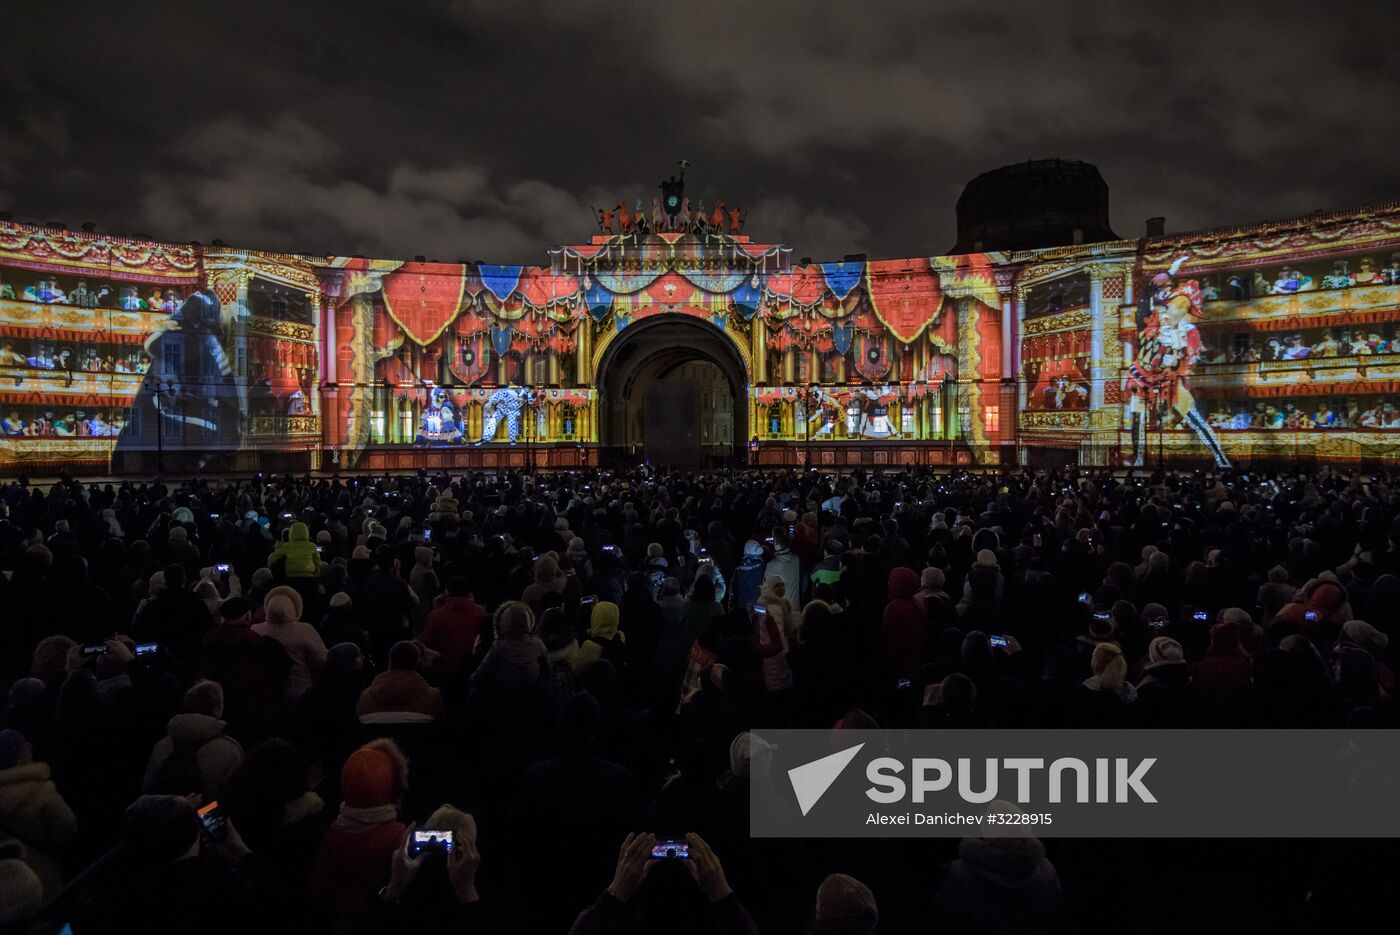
x=957, y=818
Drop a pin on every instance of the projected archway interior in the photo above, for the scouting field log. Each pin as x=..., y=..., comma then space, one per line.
x=673, y=390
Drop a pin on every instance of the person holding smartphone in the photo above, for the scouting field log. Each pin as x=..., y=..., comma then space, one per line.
x=432, y=878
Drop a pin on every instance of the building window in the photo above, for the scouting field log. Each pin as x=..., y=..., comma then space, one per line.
x=376, y=425
x=240, y=358
x=907, y=425
x=991, y=418
x=172, y=356
x=935, y=418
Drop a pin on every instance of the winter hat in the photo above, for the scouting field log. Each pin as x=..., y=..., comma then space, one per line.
x=932, y=579
x=752, y=549
x=372, y=775
x=21, y=892
x=447, y=818
x=1278, y=575
x=182, y=515
x=742, y=750
x=789, y=516
x=11, y=746
x=1164, y=651
x=1108, y=665
x=577, y=547
x=1327, y=598
x=1364, y=635
x=323, y=537
x=1155, y=612
x=178, y=534
x=160, y=828
x=987, y=558
x=848, y=903
x=361, y=551
x=342, y=657
x=1101, y=629
x=262, y=578
x=26, y=691
x=289, y=593
x=341, y=599
x=547, y=569
x=561, y=524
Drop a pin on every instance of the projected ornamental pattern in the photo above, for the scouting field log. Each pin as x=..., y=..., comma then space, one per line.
x=1274, y=341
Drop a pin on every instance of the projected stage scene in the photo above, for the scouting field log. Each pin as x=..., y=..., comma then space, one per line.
x=673, y=335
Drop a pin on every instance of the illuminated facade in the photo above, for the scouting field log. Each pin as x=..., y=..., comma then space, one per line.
x=1280, y=340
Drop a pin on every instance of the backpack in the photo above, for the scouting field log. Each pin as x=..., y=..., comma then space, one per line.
x=180, y=773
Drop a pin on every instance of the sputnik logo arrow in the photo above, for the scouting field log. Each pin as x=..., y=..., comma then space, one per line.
x=811, y=780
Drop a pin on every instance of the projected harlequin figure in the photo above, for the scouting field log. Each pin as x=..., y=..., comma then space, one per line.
x=1169, y=346
x=439, y=424
x=505, y=403
x=823, y=414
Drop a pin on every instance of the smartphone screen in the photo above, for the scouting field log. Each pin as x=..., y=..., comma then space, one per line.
x=1001, y=640
x=430, y=841
x=427, y=534
x=97, y=650
x=1204, y=615
x=1083, y=597
x=146, y=649
x=221, y=569
x=588, y=601
x=670, y=849
x=212, y=817
x=760, y=609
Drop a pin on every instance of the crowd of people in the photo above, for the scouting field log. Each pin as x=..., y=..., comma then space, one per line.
x=496, y=702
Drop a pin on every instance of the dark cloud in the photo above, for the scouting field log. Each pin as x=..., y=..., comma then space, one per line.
x=478, y=129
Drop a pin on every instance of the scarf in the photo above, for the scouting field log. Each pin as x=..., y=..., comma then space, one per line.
x=356, y=819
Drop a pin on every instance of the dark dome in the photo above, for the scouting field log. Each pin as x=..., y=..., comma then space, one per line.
x=1038, y=203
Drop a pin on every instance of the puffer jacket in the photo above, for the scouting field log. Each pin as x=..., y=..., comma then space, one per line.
x=31, y=808
x=299, y=552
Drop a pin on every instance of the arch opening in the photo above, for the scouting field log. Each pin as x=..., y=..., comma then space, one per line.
x=672, y=390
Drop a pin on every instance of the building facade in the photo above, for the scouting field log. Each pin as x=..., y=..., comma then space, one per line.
x=1277, y=341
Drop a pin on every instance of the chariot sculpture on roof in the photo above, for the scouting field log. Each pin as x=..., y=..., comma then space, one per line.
x=671, y=213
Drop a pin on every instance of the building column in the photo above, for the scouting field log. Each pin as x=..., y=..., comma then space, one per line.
x=1007, y=337
x=758, y=348
x=1097, y=373
x=1018, y=366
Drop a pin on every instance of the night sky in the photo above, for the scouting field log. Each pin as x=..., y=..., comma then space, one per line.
x=486, y=130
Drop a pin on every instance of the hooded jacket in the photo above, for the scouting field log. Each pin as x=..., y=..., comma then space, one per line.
x=453, y=627
x=901, y=627
x=1000, y=885
x=748, y=575
x=604, y=639
x=216, y=755
x=786, y=565
x=299, y=552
